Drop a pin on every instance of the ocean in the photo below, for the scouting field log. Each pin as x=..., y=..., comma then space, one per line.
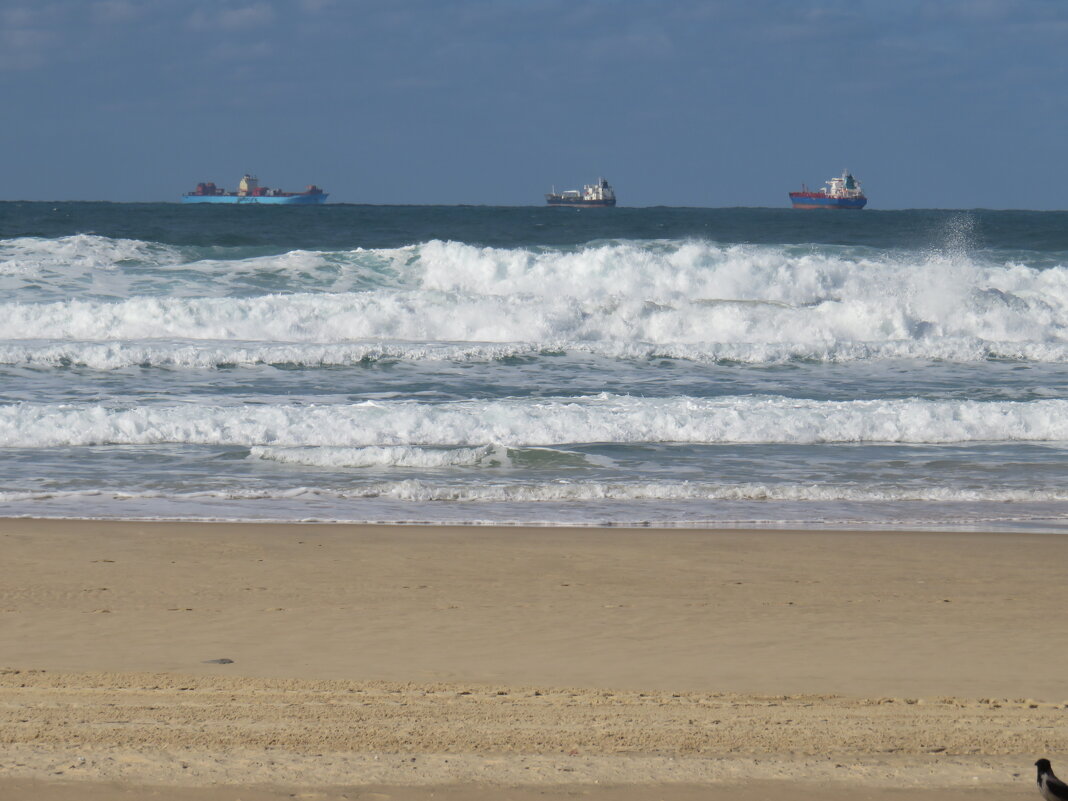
x=528, y=365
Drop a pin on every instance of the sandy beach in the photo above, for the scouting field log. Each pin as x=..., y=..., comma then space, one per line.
x=225, y=661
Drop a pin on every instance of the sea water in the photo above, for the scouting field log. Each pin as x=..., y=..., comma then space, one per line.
x=627, y=366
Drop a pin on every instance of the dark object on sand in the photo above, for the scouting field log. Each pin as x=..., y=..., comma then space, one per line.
x=1052, y=788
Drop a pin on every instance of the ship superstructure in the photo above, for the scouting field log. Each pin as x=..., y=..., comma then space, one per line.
x=598, y=194
x=843, y=192
x=250, y=191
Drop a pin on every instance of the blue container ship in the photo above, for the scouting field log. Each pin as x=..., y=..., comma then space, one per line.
x=250, y=191
x=843, y=192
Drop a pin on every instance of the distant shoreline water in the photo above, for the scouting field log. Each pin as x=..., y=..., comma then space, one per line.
x=535, y=366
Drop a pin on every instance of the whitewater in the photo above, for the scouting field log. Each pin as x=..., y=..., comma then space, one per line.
x=738, y=367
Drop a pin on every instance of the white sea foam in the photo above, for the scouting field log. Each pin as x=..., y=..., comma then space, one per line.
x=71, y=256
x=207, y=354
x=536, y=421
x=687, y=300
x=83, y=250
x=653, y=270
x=66, y=265
x=421, y=491
x=109, y=304
x=336, y=271
x=430, y=317
x=210, y=354
x=377, y=456
x=563, y=492
x=485, y=456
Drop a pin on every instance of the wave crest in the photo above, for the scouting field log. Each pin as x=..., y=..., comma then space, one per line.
x=679, y=299
x=379, y=456
x=561, y=492
x=214, y=354
x=538, y=422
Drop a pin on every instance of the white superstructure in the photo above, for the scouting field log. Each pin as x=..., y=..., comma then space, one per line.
x=845, y=186
x=598, y=191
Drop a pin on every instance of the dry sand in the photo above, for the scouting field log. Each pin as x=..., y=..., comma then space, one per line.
x=477, y=663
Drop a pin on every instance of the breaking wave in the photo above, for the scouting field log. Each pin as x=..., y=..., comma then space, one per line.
x=562, y=492
x=476, y=364
x=417, y=457
x=860, y=323
x=679, y=299
x=210, y=354
x=537, y=422
x=375, y=456
x=67, y=256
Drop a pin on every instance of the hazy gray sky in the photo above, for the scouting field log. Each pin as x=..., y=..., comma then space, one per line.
x=941, y=103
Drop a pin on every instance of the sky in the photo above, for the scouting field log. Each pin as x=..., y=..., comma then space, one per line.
x=930, y=103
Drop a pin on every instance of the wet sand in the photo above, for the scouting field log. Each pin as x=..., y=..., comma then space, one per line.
x=425, y=662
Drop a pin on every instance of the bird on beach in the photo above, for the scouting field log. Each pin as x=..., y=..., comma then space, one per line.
x=1052, y=788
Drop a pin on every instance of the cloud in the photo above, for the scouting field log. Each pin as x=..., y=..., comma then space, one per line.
x=117, y=10
x=224, y=53
x=27, y=36
x=231, y=19
x=24, y=49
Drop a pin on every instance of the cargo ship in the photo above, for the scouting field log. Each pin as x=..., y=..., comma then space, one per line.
x=250, y=191
x=841, y=193
x=598, y=194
